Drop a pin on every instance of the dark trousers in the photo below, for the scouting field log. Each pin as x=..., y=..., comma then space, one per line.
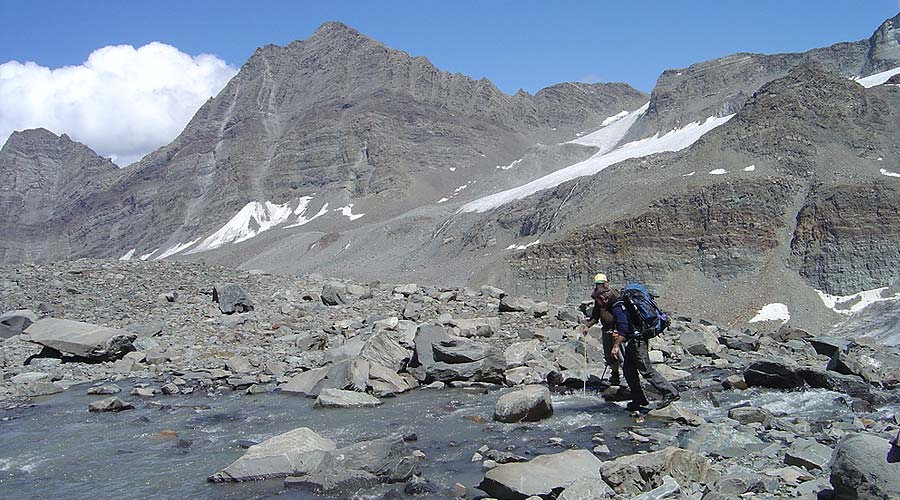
x=637, y=365
x=612, y=362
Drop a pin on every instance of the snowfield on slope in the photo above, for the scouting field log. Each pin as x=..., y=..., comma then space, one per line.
x=850, y=304
x=878, y=78
x=675, y=140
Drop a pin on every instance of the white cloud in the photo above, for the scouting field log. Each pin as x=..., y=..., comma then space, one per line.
x=592, y=78
x=122, y=102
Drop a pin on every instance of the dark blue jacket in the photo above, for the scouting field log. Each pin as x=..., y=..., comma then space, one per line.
x=623, y=323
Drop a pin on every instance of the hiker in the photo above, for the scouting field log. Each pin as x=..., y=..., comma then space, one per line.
x=604, y=298
x=637, y=361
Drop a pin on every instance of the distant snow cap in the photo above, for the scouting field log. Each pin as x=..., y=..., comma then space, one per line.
x=523, y=247
x=252, y=219
x=123, y=102
x=128, y=255
x=675, y=140
x=772, y=312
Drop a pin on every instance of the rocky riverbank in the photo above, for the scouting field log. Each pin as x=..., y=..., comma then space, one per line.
x=787, y=413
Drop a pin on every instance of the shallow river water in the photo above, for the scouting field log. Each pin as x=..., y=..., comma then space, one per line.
x=57, y=449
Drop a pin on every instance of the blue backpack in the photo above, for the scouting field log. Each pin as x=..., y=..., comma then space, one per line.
x=646, y=318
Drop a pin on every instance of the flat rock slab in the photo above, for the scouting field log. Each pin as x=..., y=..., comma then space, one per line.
x=860, y=470
x=94, y=342
x=15, y=322
x=283, y=455
x=808, y=453
x=337, y=398
x=544, y=476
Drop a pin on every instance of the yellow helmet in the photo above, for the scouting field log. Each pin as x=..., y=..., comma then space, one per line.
x=599, y=279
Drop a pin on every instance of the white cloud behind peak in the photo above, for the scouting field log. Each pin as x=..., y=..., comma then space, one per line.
x=122, y=102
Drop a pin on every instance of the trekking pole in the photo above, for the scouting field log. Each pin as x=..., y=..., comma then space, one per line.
x=584, y=387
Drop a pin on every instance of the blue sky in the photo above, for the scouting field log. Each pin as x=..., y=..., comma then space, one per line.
x=527, y=44
x=125, y=77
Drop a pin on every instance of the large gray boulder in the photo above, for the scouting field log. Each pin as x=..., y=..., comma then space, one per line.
x=544, y=476
x=15, y=322
x=587, y=489
x=384, y=350
x=335, y=294
x=477, y=327
x=632, y=474
x=460, y=350
x=808, y=453
x=700, y=342
x=860, y=470
x=308, y=383
x=775, y=374
x=294, y=452
x=231, y=298
x=515, y=304
x=386, y=382
x=83, y=340
x=521, y=352
x=337, y=398
x=110, y=404
x=528, y=404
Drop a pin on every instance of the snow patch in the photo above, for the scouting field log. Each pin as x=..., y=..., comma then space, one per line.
x=301, y=220
x=128, y=255
x=616, y=117
x=511, y=165
x=772, y=312
x=147, y=255
x=523, y=247
x=689, y=174
x=850, y=304
x=751, y=168
x=673, y=141
x=878, y=78
x=718, y=171
x=347, y=211
x=175, y=249
x=612, y=132
x=442, y=200
x=252, y=219
x=889, y=173
x=453, y=169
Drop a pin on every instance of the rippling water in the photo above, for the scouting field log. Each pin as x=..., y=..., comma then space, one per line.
x=57, y=449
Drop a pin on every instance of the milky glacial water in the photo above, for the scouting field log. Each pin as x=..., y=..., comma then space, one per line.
x=57, y=449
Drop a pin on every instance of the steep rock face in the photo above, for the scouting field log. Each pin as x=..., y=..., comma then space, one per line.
x=44, y=180
x=723, y=230
x=722, y=86
x=848, y=237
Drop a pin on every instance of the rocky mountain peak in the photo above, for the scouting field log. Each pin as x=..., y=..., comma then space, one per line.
x=884, y=45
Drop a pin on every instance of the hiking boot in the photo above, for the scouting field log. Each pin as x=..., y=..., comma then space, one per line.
x=614, y=379
x=667, y=401
x=634, y=406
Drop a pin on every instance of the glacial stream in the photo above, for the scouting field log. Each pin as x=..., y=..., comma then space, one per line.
x=58, y=450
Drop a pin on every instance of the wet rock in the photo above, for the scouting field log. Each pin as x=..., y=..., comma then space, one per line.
x=632, y=474
x=851, y=385
x=719, y=439
x=417, y=485
x=459, y=350
x=808, y=453
x=110, y=404
x=458, y=490
x=846, y=364
x=515, y=304
x=15, y=322
x=860, y=471
x=83, y=340
x=775, y=374
x=143, y=392
x=748, y=415
x=292, y=453
x=337, y=398
x=675, y=412
x=544, y=476
x=489, y=369
x=528, y=404
x=736, y=382
x=105, y=389
x=231, y=298
x=587, y=489
x=169, y=389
